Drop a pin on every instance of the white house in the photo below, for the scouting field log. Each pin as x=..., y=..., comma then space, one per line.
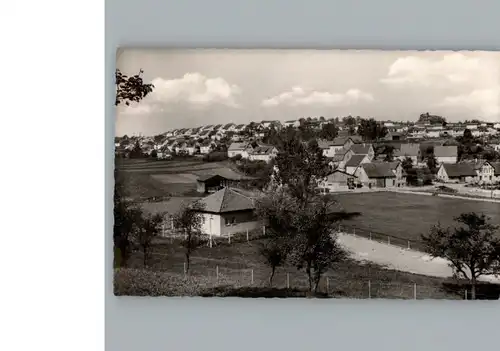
x=292, y=123
x=206, y=146
x=263, y=153
x=228, y=211
x=446, y=154
x=356, y=161
x=337, y=181
x=237, y=148
x=456, y=173
x=381, y=174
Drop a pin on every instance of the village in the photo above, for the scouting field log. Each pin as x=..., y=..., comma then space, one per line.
x=401, y=154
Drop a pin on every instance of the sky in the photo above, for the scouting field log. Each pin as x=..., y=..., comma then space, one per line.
x=202, y=86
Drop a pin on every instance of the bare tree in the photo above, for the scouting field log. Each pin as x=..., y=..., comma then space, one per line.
x=275, y=255
x=472, y=248
x=189, y=220
x=147, y=227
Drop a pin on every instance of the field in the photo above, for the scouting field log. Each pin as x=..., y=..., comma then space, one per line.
x=237, y=263
x=148, y=178
x=406, y=216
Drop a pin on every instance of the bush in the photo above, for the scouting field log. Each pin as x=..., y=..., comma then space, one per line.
x=236, y=158
x=154, y=154
x=215, y=156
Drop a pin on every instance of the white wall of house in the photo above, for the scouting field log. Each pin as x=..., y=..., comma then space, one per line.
x=265, y=157
x=242, y=152
x=442, y=159
x=352, y=169
x=442, y=175
x=211, y=224
x=205, y=149
x=486, y=174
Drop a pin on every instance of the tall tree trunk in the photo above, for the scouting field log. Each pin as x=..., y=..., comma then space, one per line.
x=272, y=276
x=187, y=262
x=145, y=256
x=473, y=288
x=310, y=278
x=316, y=283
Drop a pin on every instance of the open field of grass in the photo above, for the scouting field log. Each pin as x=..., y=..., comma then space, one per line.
x=238, y=262
x=149, y=178
x=407, y=216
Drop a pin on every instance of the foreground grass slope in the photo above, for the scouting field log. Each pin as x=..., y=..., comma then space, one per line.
x=236, y=263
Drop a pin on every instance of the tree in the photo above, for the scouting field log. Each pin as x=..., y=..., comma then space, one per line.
x=407, y=164
x=136, y=151
x=189, y=220
x=130, y=89
x=154, y=154
x=275, y=255
x=147, y=227
x=328, y=131
x=432, y=119
x=467, y=136
x=432, y=163
x=472, y=248
x=370, y=129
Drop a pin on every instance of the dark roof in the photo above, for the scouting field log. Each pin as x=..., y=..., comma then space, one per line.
x=379, y=170
x=408, y=150
x=227, y=126
x=355, y=160
x=227, y=200
x=459, y=170
x=361, y=149
x=218, y=126
x=446, y=151
x=496, y=166
x=263, y=150
x=237, y=146
x=339, y=141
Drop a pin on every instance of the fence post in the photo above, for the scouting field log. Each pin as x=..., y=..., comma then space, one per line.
x=370, y=235
x=247, y=236
x=288, y=281
x=184, y=269
x=466, y=293
x=327, y=286
x=389, y=240
x=414, y=291
x=369, y=289
x=264, y=230
x=354, y=231
x=217, y=273
x=408, y=244
x=252, y=277
x=229, y=237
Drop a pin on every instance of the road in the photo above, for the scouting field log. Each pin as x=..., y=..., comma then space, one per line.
x=397, y=258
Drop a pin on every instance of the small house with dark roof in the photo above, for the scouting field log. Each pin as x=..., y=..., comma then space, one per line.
x=381, y=174
x=411, y=150
x=337, y=180
x=457, y=173
x=238, y=148
x=211, y=183
x=263, y=153
x=356, y=161
x=228, y=211
x=446, y=154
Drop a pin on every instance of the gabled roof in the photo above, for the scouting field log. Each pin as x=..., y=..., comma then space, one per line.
x=459, y=170
x=227, y=200
x=263, y=150
x=229, y=125
x=380, y=170
x=410, y=150
x=446, y=151
x=496, y=166
x=339, y=141
x=355, y=160
x=237, y=146
x=361, y=149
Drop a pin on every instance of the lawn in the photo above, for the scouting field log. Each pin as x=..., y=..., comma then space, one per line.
x=407, y=216
x=235, y=263
x=149, y=178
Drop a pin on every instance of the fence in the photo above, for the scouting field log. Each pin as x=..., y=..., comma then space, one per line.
x=408, y=244
x=329, y=285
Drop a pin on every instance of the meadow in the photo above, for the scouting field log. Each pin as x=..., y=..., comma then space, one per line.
x=407, y=216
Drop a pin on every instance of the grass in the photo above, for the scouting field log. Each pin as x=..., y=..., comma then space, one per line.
x=148, y=178
x=236, y=262
x=407, y=216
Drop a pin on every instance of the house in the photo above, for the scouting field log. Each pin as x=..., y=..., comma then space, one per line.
x=292, y=123
x=206, y=146
x=394, y=136
x=268, y=124
x=446, y=154
x=486, y=173
x=263, y=153
x=230, y=127
x=211, y=183
x=408, y=150
x=337, y=181
x=363, y=149
x=456, y=173
x=204, y=134
x=228, y=212
x=239, y=128
x=338, y=144
x=381, y=174
x=354, y=162
x=237, y=148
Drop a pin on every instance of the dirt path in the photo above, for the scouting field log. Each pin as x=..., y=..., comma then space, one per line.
x=398, y=258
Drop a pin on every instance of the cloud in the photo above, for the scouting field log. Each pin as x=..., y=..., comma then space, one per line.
x=455, y=68
x=484, y=102
x=193, y=89
x=300, y=96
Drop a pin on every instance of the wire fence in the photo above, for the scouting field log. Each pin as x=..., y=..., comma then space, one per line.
x=329, y=285
x=409, y=244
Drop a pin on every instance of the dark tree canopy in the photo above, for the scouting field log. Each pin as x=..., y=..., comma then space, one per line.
x=130, y=89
